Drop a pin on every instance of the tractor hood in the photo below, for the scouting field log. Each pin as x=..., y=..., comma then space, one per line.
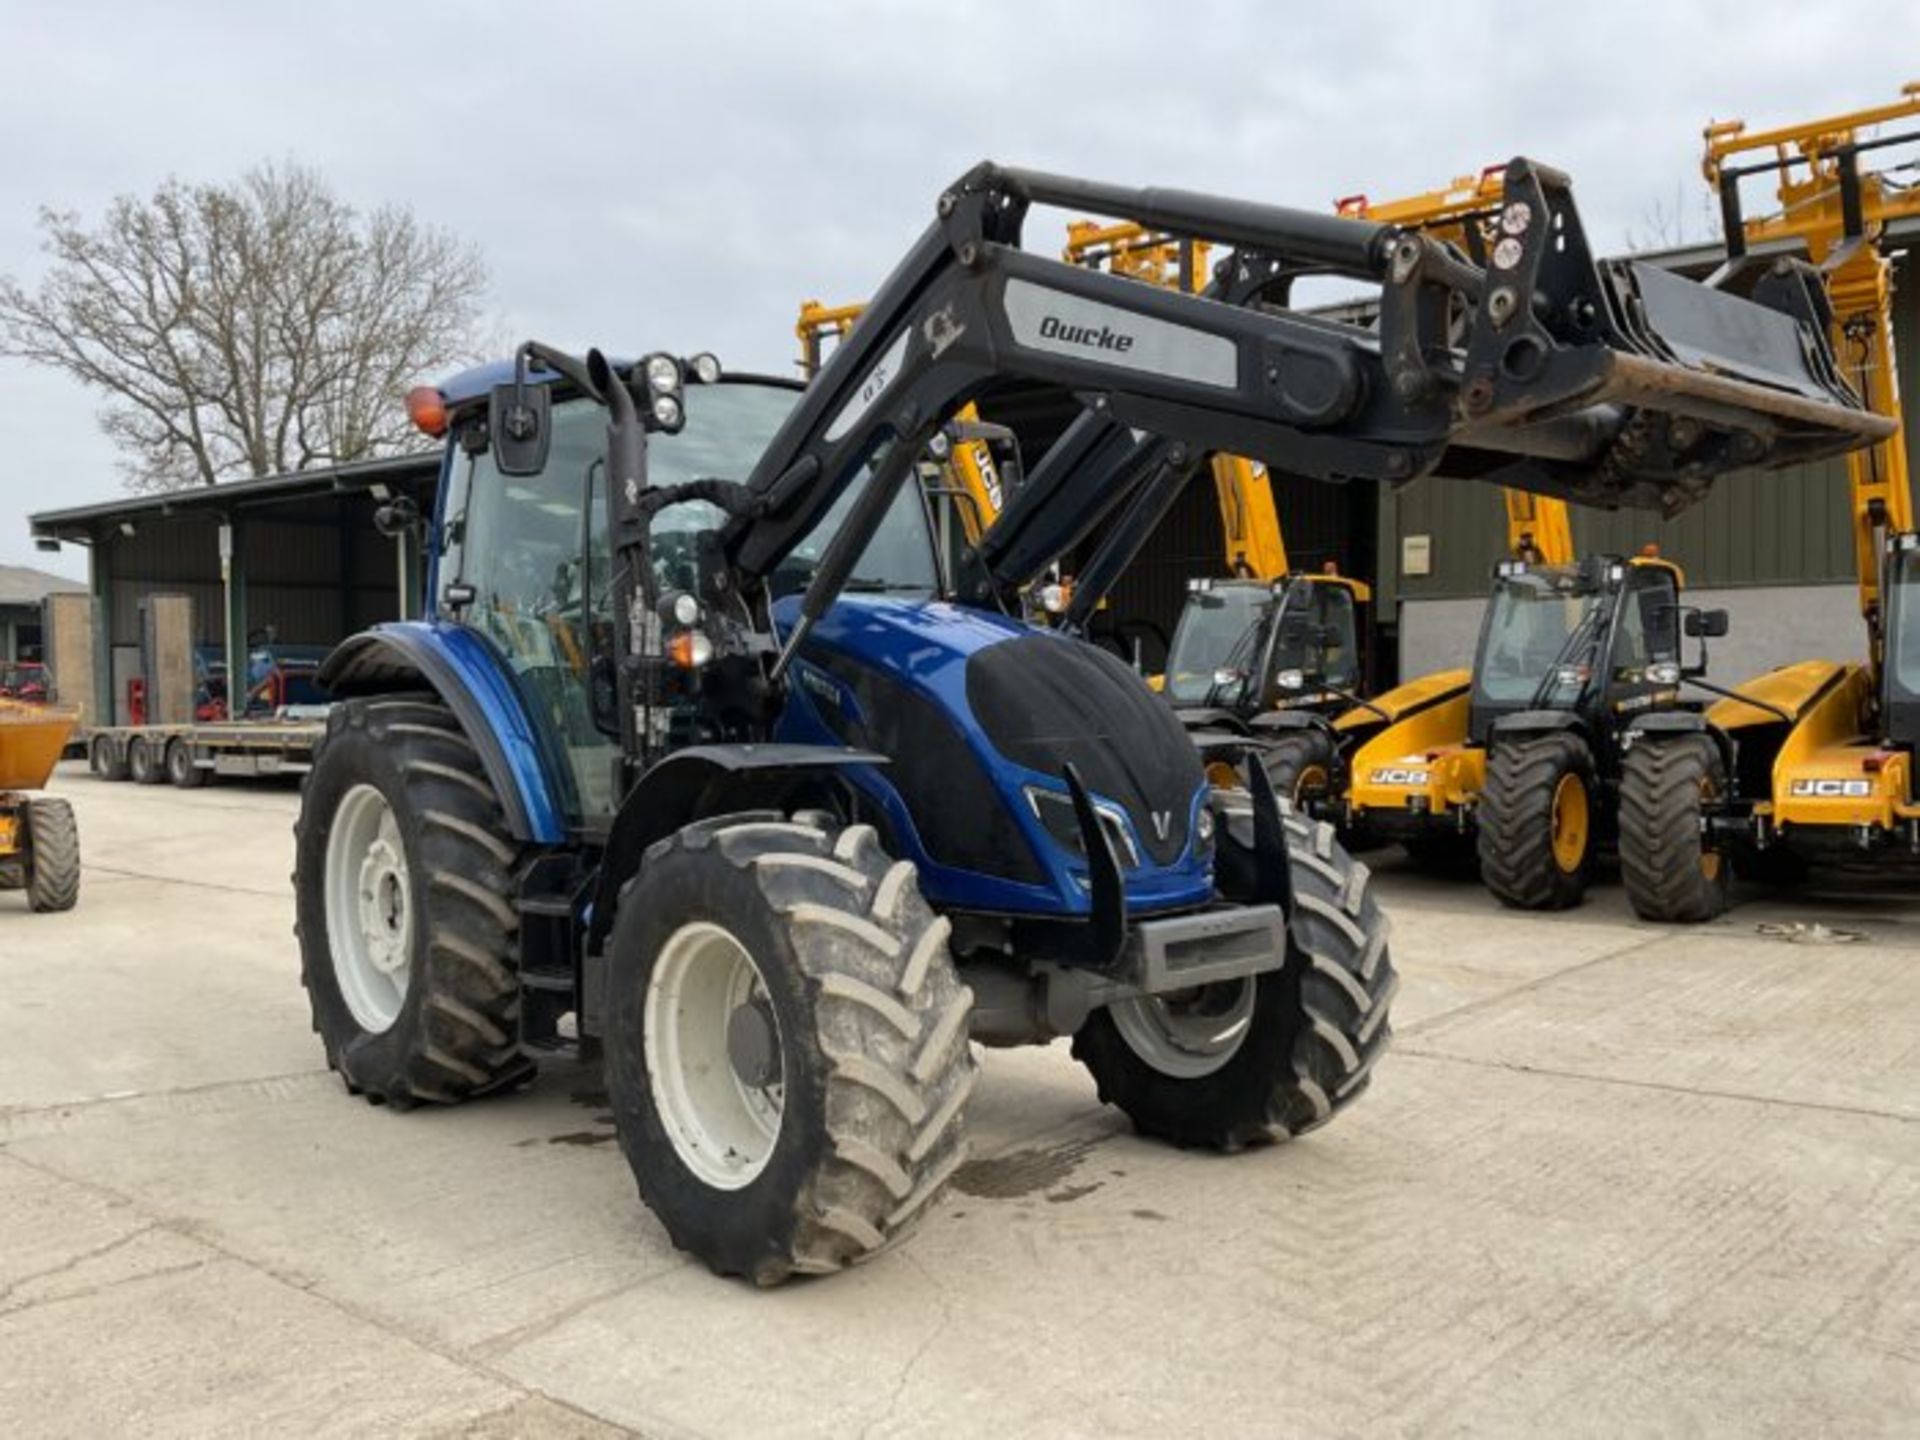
x=976, y=712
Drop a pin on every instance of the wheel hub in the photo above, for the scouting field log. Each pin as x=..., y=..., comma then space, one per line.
x=369, y=904
x=1188, y=1033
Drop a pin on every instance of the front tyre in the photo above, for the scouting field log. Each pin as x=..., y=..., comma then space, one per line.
x=1252, y=1061
x=53, y=856
x=1672, y=872
x=786, y=1045
x=1536, y=821
x=404, y=886
x=1300, y=766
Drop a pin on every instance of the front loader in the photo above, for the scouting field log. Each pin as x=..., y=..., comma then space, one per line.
x=1810, y=764
x=703, y=756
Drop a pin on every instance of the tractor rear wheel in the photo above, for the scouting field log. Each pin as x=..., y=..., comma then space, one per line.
x=404, y=884
x=53, y=856
x=1248, y=1062
x=1536, y=821
x=106, y=759
x=1672, y=872
x=144, y=763
x=1301, y=767
x=786, y=1045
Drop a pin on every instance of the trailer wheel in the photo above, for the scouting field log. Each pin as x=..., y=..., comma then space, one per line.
x=786, y=1045
x=180, y=767
x=404, y=886
x=1671, y=871
x=1536, y=819
x=1300, y=765
x=144, y=764
x=106, y=759
x=53, y=856
x=1252, y=1061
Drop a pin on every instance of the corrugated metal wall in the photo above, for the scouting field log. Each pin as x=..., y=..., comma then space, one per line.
x=1781, y=527
x=317, y=571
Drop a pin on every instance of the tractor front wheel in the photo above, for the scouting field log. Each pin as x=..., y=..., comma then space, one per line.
x=1536, y=821
x=1251, y=1061
x=786, y=1045
x=1672, y=872
x=1301, y=767
x=404, y=884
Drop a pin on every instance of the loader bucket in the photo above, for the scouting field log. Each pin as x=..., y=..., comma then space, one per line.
x=32, y=738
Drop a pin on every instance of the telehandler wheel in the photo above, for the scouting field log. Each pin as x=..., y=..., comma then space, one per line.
x=1300, y=765
x=1536, y=821
x=106, y=759
x=144, y=764
x=404, y=888
x=786, y=1045
x=180, y=767
x=1251, y=1061
x=1671, y=871
x=53, y=856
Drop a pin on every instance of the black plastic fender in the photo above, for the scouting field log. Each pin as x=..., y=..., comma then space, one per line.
x=1536, y=722
x=1665, y=723
x=694, y=783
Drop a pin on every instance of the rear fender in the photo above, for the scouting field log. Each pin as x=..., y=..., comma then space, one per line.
x=467, y=674
x=697, y=782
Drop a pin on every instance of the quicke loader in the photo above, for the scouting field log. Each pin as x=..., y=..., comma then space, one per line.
x=706, y=754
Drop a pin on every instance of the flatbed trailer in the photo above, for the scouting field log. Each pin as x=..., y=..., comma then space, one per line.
x=190, y=754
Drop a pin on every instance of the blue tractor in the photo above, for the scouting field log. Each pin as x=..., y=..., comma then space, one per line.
x=723, y=750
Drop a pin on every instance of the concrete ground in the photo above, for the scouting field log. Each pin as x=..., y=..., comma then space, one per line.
x=1612, y=1178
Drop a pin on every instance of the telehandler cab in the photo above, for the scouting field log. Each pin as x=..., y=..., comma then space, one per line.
x=696, y=756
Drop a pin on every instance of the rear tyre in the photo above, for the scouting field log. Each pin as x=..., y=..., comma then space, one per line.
x=1671, y=872
x=106, y=759
x=144, y=764
x=1301, y=767
x=1536, y=821
x=53, y=856
x=404, y=885
x=180, y=767
x=786, y=1045
x=1250, y=1062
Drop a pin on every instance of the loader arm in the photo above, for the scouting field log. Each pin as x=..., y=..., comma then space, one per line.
x=1609, y=381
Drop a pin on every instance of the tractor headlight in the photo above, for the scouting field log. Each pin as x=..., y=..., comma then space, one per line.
x=1203, y=830
x=1054, y=810
x=1053, y=599
x=667, y=413
x=1291, y=679
x=1663, y=672
x=663, y=373
x=686, y=609
x=705, y=367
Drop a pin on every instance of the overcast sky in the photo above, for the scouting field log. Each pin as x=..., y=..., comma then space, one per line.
x=681, y=176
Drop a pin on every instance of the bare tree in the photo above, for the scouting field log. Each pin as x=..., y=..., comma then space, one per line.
x=247, y=329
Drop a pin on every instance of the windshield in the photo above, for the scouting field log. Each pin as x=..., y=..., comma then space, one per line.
x=1537, y=647
x=1903, y=638
x=1218, y=632
x=897, y=561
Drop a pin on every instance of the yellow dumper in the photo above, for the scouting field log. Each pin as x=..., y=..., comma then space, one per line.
x=39, y=842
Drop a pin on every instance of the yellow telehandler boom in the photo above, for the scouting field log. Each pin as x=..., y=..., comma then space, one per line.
x=1839, y=211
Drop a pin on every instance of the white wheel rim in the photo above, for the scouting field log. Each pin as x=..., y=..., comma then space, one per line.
x=1190, y=1033
x=722, y=1127
x=369, y=908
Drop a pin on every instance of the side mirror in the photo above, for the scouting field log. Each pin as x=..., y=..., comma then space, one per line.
x=1706, y=624
x=397, y=517
x=520, y=428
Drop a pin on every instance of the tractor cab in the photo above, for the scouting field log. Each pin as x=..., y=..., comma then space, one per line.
x=1902, y=678
x=1599, y=638
x=1248, y=645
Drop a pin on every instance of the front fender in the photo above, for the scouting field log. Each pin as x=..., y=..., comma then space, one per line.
x=1537, y=722
x=697, y=782
x=463, y=671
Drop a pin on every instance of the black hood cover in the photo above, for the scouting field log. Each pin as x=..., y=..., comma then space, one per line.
x=1045, y=703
